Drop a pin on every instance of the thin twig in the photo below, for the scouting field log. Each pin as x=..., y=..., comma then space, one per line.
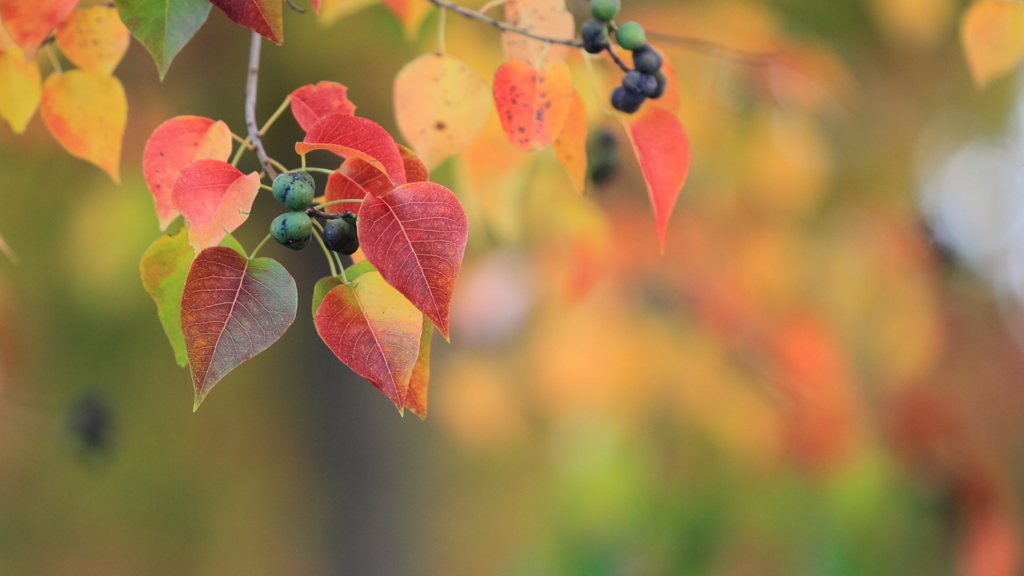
x=618, y=61
x=474, y=15
x=296, y=8
x=250, y=104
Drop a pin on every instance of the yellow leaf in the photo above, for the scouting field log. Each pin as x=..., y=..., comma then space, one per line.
x=992, y=34
x=921, y=23
x=20, y=88
x=441, y=105
x=571, y=144
x=94, y=38
x=332, y=10
x=543, y=17
x=86, y=112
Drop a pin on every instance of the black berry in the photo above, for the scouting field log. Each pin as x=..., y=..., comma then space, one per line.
x=662, y=80
x=340, y=235
x=637, y=83
x=626, y=101
x=595, y=36
x=646, y=59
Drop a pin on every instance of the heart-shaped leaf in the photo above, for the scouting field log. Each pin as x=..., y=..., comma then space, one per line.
x=163, y=26
x=351, y=136
x=374, y=330
x=261, y=16
x=29, y=22
x=419, y=381
x=663, y=151
x=571, y=144
x=20, y=88
x=532, y=104
x=356, y=178
x=232, y=308
x=215, y=199
x=175, y=144
x=314, y=101
x=416, y=237
x=992, y=34
x=94, y=38
x=544, y=18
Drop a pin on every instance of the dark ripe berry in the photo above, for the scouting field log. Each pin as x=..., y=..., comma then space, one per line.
x=90, y=423
x=295, y=189
x=637, y=83
x=662, y=80
x=631, y=36
x=605, y=10
x=292, y=229
x=646, y=59
x=625, y=101
x=595, y=36
x=340, y=235
x=603, y=161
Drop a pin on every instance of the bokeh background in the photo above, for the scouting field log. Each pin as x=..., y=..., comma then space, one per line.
x=822, y=375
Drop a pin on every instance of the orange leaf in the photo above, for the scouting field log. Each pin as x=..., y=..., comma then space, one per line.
x=314, y=101
x=412, y=13
x=663, y=151
x=542, y=17
x=571, y=144
x=86, y=112
x=215, y=198
x=992, y=34
x=20, y=88
x=29, y=22
x=532, y=105
x=352, y=136
x=419, y=381
x=94, y=38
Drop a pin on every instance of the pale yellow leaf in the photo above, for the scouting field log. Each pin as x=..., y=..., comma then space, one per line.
x=20, y=88
x=992, y=34
x=547, y=18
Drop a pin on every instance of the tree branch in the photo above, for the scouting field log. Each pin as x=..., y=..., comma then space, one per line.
x=250, y=104
x=474, y=15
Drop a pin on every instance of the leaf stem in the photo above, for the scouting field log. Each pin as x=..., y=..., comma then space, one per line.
x=258, y=246
x=322, y=206
x=280, y=166
x=276, y=115
x=265, y=187
x=341, y=265
x=615, y=57
x=440, y=31
x=593, y=80
x=255, y=43
x=327, y=253
x=318, y=169
x=54, y=60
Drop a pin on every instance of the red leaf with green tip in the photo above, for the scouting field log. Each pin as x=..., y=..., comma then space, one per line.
x=174, y=145
x=215, y=198
x=261, y=16
x=232, y=308
x=532, y=104
x=355, y=137
x=163, y=26
x=374, y=330
x=416, y=237
x=314, y=101
x=416, y=399
x=29, y=22
x=356, y=178
x=663, y=151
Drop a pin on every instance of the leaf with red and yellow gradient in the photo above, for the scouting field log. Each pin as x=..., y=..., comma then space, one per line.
x=232, y=308
x=174, y=145
x=20, y=88
x=412, y=13
x=314, y=101
x=440, y=105
x=215, y=199
x=416, y=237
x=419, y=381
x=86, y=112
x=663, y=152
x=532, y=105
x=571, y=144
x=316, y=6
x=992, y=34
x=261, y=16
x=352, y=136
x=542, y=17
x=374, y=330
x=356, y=178
x=332, y=10
x=29, y=22
x=94, y=38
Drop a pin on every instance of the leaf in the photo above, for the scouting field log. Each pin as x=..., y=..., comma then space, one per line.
x=174, y=145
x=314, y=101
x=356, y=178
x=412, y=13
x=542, y=17
x=992, y=34
x=232, y=308
x=215, y=199
x=94, y=38
x=261, y=16
x=352, y=136
x=316, y=6
x=20, y=88
x=29, y=22
x=164, y=267
x=86, y=112
x=374, y=330
x=416, y=237
x=440, y=105
x=419, y=381
x=332, y=10
x=663, y=151
x=325, y=285
x=532, y=105
x=163, y=26
x=571, y=144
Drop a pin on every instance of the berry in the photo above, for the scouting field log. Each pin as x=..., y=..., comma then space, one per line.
x=638, y=83
x=292, y=229
x=662, y=80
x=646, y=59
x=631, y=36
x=340, y=235
x=603, y=161
x=605, y=10
x=294, y=189
x=595, y=36
x=625, y=101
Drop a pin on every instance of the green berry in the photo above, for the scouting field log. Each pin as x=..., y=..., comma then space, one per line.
x=605, y=10
x=295, y=189
x=631, y=36
x=292, y=229
x=340, y=235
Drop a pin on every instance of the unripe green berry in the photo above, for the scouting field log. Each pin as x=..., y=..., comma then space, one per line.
x=292, y=229
x=295, y=189
x=631, y=36
x=340, y=235
x=605, y=10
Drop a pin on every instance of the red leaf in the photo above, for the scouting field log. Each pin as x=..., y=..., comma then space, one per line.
x=356, y=178
x=314, y=101
x=261, y=16
x=316, y=6
x=416, y=237
x=232, y=308
x=419, y=381
x=532, y=105
x=663, y=151
x=215, y=198
x=374, y=330
x=174, y=145
x=30, y=21
x=352, y=136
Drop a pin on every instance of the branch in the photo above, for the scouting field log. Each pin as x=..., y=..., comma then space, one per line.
x=474, y=15
x=250, y=104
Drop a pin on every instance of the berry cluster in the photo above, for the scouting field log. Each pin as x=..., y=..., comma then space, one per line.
x=295, y=229
x=645, y=80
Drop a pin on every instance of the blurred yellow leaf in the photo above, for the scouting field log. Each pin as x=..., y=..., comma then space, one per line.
x=992, y=34
x=94, y=38
x=571, y=144
x=332, y=10
x=917, y=22
x=543, y=17
x=20, y=88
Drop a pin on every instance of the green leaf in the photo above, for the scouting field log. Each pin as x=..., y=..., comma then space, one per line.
x=163, y=26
